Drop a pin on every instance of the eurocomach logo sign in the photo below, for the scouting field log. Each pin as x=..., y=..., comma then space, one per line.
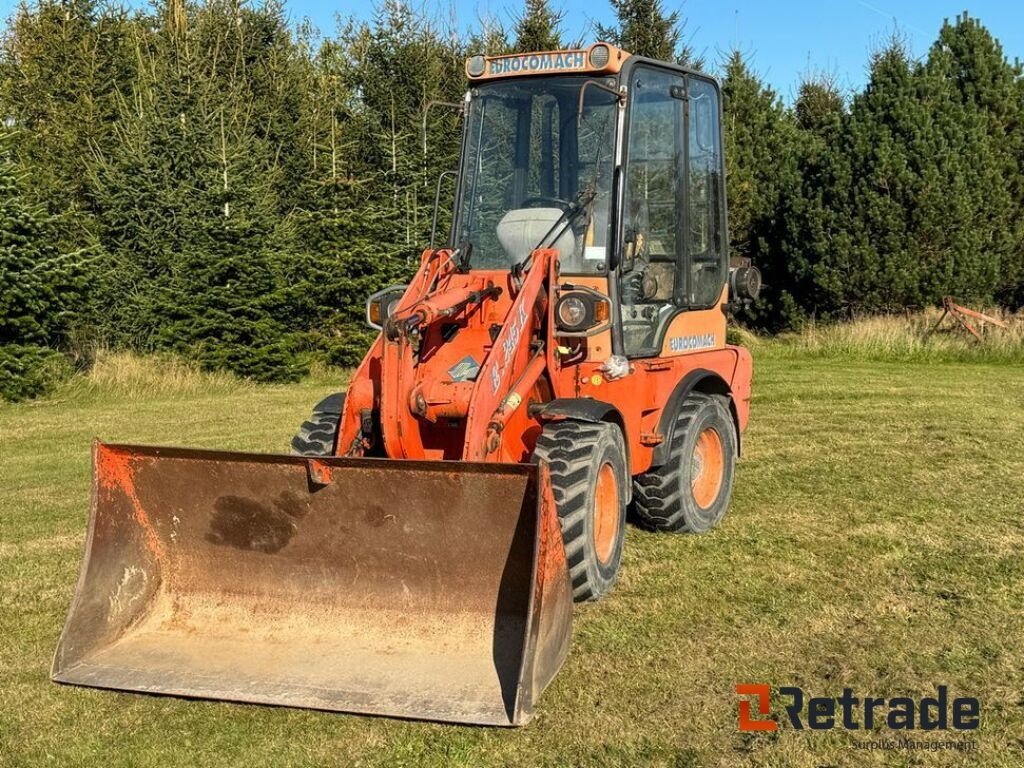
x=852, y=713
x=537, y=62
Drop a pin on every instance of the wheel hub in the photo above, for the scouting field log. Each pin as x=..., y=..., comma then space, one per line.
x=606, y=513
x=707, y=467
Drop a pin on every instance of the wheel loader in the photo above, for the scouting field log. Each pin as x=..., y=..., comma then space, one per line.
x=560, y=360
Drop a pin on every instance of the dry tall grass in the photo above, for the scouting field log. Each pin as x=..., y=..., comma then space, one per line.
x=903, y=337
x=135, y=376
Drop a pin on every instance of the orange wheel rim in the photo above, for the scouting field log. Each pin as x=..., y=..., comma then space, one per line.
x=606, y=513
x=707, y=467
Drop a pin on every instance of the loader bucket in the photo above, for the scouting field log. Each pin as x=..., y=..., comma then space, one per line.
x=428, y=590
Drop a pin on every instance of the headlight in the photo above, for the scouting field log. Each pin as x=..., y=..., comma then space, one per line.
x=581, y=311
x=382, y=305
x=475, y=66
x=572, y=313
x=599, y=56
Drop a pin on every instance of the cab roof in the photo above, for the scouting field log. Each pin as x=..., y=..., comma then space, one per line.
x=597, y=59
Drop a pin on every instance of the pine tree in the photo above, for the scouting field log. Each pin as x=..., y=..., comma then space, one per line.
x=808, y=224
x=538, y=29
x=988, y=88
x=192, y=194
x=61, y=65
x=368, y=203
x=915, y=221
x=644, y=29
x=762, y=165
x=758, y=140
x=492, y=38
x=41, y=289
x=811, y=184
x=876, y=264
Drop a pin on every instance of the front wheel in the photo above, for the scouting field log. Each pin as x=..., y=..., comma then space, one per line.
x=690, y=492
x=319, y=435
x=589, y=477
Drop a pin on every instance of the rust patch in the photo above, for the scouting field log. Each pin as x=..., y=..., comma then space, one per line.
x=550, y=551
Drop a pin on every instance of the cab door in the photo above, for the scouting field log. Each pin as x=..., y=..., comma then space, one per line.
x=672, y=228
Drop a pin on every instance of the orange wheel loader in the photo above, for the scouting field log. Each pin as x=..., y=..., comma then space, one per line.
x=562, y=357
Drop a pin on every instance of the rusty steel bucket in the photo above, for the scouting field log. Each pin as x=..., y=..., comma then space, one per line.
x=413, y=589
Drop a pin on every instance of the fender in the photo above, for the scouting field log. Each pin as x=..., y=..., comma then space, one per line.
x=591, y=411
x=701, y=380
x=583, y=409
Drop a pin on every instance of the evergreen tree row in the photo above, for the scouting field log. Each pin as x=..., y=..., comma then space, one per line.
x=907, y=192
x=202, y=177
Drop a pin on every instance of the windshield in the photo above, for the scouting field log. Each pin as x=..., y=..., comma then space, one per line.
x=537, y=174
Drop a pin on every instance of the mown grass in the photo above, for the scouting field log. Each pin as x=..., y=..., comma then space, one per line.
x=875, y=542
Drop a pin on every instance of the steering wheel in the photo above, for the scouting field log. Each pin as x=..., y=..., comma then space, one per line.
x=544, y=201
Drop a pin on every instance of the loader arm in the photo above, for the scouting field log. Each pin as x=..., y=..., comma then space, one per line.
x=510, y=369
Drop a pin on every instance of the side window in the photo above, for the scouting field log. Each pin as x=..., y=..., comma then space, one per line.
x=704, y=210
x=652, y=205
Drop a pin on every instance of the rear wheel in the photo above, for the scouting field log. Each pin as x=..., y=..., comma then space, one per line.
x=690, y=492
x=589, y=479
x=318, y=435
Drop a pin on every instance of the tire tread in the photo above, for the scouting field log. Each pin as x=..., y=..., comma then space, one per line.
x=319, y=433
x=567, y=447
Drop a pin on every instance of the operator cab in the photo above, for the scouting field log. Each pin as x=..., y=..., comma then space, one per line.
x=615, y=161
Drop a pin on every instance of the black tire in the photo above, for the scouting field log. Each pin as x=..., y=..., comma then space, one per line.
x=577, y=455
x=666, y=498
x=318, y=436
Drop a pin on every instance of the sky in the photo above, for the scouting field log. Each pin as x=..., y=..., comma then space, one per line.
x=783, y=40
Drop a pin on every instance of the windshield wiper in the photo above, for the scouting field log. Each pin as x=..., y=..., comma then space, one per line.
x=579, y=204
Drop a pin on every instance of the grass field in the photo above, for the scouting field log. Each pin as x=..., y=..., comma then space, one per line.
x=875, y=541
